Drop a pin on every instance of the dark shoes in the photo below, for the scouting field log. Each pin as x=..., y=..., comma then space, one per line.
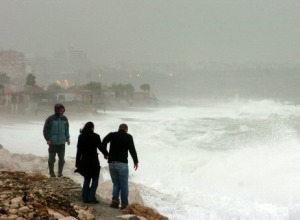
x=114, y=204
x=123, y=206
x=95, y=202
x=92, y=202
x=60, y=175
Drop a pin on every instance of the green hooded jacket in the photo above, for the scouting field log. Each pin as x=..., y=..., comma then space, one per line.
x=56, y=127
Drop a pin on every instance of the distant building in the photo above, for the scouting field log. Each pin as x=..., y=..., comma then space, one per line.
x=69, y=67
x=13, y=64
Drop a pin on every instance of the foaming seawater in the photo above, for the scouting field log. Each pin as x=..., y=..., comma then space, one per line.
x=229, y=160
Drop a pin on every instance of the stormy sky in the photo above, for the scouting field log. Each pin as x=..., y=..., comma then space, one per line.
x=155, y=30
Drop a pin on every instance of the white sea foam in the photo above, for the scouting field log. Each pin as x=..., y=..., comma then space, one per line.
x=237, y=160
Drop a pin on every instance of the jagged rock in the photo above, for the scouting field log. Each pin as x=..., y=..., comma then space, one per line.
x=146, y=212
x=45, y=198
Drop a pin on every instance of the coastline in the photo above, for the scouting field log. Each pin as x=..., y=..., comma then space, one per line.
x=21, y=121
x=29, y=164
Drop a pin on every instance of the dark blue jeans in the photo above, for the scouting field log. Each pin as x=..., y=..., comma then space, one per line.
x=60, y=151
x=119, y=175
x=89, y=188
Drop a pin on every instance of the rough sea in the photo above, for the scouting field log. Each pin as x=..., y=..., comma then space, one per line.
x=210, y=161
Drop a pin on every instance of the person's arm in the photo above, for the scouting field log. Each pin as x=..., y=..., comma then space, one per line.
x=47, y=130
x=79, y=153
x=105, y=141
x=133, y=153
x=67, y=132
x=100, y=147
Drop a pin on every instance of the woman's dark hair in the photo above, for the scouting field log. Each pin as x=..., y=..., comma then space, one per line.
x=88, y=128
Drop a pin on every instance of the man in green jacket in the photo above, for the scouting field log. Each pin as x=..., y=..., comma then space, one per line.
x=56, y=133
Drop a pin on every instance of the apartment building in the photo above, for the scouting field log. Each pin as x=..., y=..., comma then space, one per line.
x=13, y=64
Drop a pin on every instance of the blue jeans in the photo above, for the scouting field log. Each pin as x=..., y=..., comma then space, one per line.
x=60, y=151
x=88, y=189
x=119, y=175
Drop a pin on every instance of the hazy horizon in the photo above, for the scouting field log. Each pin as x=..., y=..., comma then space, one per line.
x=155, y=31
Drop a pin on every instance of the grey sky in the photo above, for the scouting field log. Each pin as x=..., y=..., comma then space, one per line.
x=156, y=30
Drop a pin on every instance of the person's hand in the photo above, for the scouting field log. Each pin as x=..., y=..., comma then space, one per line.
x=49, y=142
x=68, y=142
x=136, y=166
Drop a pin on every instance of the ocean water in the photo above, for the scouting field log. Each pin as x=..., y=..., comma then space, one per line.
x=213, y=160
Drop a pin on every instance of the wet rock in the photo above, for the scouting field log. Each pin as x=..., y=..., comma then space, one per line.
x=143, y=211
x=30, y=195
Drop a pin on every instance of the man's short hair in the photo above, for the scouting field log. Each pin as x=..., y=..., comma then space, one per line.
x=123, y=127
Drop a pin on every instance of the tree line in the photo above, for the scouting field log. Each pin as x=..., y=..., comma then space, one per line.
x=120, y=90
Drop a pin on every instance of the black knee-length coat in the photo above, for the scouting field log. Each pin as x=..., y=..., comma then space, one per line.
x=87, y=161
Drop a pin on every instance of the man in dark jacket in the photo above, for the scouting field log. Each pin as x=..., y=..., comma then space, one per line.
x=120, y=143
x=56, y=133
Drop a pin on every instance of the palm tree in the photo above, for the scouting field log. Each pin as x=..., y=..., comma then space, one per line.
x=30, y=80
x=122, y=90
x=145, y=87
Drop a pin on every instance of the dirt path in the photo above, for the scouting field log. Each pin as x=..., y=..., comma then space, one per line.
x=102, y=210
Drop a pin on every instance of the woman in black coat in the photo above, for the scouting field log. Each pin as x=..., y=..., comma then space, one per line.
x=87, y=161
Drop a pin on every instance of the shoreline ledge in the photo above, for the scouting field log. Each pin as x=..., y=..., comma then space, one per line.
x=27, y=193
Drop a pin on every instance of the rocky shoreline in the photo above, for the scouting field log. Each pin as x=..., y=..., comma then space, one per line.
x=26, y=192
